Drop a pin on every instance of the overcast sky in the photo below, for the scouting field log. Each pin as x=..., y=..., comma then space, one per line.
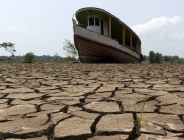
x=41, y=26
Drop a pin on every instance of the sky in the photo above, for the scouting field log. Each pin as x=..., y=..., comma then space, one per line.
x=41, y=26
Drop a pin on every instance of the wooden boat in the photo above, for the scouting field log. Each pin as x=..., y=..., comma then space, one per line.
x=100, y=37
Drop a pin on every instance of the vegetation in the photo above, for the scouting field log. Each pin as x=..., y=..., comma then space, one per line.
x=145, y=58
x=29, y=58
x=2, y=59
x=158, y=58
x=152, y=57
x=56, y=57
x=70, y=49
x=43, y=58
x=9, y=47
x=142, y=111
x=69, y=59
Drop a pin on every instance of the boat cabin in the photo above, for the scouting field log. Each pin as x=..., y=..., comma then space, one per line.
x=104, y=23
x=97, y=24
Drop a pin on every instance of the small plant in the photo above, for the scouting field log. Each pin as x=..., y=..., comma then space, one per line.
x=135, y=133
x=133, y=82
x=95, y=78
x=138, y=119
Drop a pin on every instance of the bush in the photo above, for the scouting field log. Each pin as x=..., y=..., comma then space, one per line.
x=29, y=58
x=69, y=59
x=145, y=58
x=158, y=57
x=2, y=59
x=152, y=57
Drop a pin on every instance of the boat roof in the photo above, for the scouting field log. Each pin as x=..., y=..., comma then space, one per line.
x=117, y=24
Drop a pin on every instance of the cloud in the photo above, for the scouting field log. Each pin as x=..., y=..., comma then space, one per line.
x=14, y=29
x=162, y=34
x=156, y=24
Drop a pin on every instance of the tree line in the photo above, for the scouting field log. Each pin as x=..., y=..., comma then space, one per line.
x=69, y=48
x=37, y=58
x=30, y=57
x=72, y=55
x=158, y=58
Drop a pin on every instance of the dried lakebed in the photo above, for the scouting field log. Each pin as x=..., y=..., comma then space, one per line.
x=90, y=101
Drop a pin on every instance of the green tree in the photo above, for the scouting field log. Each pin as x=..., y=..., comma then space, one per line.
x=152, y=57
x=69, y=59
x=158, y=57
x=167, y=58
x=56, y=57
x=176, y=58
x=145, y=58
x=70, y=49
x=2, y=59
x=29, y=57
x=141, y=57
x=10, y=47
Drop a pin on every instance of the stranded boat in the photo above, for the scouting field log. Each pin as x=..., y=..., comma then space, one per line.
x=100, y=37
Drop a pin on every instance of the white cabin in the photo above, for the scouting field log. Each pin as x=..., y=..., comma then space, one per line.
x=97, y=24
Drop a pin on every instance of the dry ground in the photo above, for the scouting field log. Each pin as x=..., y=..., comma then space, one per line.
x=90, y=101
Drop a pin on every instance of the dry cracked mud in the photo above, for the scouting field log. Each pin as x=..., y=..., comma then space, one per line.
x=46, y=101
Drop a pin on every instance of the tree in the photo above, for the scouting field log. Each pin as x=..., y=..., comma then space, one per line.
x=29, y=58
x=2, y=59
x=167, y=58
x=9, y=47
x=69, y=59
x=158, y=57
x=70, y=49
x=152, y=57
x=145, y=58
x=56, y=57
x=141, y=57
x=176, y=58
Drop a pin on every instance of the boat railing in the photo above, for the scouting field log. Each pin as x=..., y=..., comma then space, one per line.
x=138, y=50
x=82, y=25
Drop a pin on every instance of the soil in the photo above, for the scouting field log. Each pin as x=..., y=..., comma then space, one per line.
x=70, y=101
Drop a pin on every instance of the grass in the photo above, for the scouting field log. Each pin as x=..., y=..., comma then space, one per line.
x=142, y=111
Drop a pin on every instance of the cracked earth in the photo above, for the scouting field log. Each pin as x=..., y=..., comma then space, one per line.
x=46, y=101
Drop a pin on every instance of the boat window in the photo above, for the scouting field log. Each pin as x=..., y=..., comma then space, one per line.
x=91, y=21
x=97, y=21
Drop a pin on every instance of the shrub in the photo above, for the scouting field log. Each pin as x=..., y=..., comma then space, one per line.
x=69, y=59
x=158, y=57
x=2, y=59
x=152, y=57
x=29, y=58
x=145, y=58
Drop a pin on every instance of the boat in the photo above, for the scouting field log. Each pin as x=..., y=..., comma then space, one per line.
x=100, y=37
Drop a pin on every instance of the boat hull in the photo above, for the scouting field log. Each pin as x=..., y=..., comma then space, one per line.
x=94, y=52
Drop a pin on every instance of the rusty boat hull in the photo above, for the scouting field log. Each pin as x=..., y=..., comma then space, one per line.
x=95, y=52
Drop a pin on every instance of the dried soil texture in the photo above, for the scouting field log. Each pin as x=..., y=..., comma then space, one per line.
x=60, y=101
